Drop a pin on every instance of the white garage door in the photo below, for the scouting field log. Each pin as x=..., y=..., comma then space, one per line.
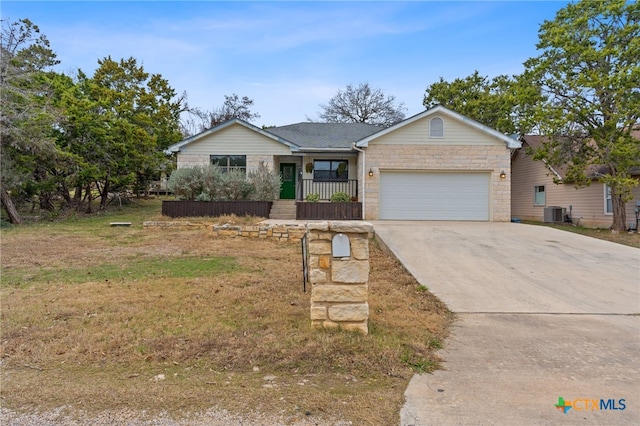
x=434, y=196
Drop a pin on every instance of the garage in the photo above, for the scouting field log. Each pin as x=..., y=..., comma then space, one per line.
x=423, y=195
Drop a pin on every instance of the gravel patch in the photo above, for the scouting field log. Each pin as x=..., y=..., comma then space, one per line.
x=64, y=416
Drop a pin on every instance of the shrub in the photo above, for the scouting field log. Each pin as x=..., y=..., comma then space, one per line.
x=203, y=196
x=313, y=198
x=212, y=182
x=235, y=186
x=340, y=197
x=186, y=182
x=266, y=183
x=209, y=183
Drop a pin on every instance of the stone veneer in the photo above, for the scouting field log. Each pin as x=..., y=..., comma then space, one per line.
x=446, y=158
x=339, y=285
x=283, y=233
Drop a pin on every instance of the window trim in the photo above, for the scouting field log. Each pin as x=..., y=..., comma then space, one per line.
x=330, y=161
x=536, y=192
x=431, y=134
x=229, y=167
x=607, y=200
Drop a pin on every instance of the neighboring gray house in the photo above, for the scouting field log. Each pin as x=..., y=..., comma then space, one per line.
x=436, y=165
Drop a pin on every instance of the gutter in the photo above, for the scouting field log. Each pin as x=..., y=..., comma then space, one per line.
x=364, y=168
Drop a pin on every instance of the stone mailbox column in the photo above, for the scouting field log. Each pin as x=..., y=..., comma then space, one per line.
x=339, y=274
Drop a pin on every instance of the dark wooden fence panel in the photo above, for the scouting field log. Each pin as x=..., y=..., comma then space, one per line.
x=328, y=211
x=216, y=208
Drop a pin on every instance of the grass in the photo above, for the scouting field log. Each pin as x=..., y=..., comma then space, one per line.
x=626, y=238
x=103, y=312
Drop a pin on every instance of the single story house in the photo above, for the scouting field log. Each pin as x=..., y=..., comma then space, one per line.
x=540, y=193
x=436, y=165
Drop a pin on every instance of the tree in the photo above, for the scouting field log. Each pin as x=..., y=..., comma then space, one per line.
x=118, y=122
x=362, y=104
x=589, y=74
x=232, y=107
x=26, y=113
x=492, y=102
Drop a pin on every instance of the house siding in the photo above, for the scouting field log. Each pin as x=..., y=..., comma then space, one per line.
x=234, y=140
x=455, y=132
x=588, y=204
x=462, y=149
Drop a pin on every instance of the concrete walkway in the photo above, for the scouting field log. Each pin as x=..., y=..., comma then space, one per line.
x=542, y=314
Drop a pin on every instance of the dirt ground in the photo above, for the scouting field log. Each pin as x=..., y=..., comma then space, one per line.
x=178, y=322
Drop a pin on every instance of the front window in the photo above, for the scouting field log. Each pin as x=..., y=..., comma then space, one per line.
x=230, y=162
x=329, y=170
x=608, y=204
x=539, y=198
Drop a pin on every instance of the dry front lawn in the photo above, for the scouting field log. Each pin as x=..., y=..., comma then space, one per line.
x=96, y=318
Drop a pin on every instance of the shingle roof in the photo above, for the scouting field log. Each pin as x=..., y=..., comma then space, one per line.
x=592, y=171
x=324, y=135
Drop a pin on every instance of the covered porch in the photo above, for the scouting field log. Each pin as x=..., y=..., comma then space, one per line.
x=309, y=181
x=317, y=176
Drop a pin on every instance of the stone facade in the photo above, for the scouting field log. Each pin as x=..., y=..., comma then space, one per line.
x=487, y=158
x=339, y=285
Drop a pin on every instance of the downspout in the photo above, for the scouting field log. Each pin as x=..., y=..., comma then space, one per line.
x=364, y=168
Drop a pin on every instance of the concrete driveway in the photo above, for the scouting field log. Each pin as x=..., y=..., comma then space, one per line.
x=542, y=314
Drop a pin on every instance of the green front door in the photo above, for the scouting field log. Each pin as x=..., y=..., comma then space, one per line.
x=288, y=175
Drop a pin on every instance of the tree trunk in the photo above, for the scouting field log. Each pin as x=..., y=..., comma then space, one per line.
x=64, y=191
x=104, y=194
x=45, y=201
x=77, y=197
x=89, y=198
x=619, y=212
x=9, y=207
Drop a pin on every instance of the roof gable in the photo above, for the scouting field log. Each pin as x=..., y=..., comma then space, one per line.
x=178, y=146
x=439, y=109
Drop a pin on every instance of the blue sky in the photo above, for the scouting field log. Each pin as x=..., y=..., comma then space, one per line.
x=289, y=57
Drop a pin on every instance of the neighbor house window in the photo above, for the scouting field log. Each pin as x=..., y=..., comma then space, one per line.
x=230, y=162
x=325, y=170
x=539, y=198
x=608, y=204
x=436, y=128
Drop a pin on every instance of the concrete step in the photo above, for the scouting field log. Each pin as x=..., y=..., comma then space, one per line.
x=283, y=209
x=283, y=216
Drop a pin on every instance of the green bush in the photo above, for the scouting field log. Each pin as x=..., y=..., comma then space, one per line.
x=209, y=183
x=235, y=186
x=266, y=183
x=186, y=182
x=313, y=198
x=212, y=182
x=203, y=196
x=340, y=197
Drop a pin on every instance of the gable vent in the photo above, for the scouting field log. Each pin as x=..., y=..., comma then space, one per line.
x=436, y=128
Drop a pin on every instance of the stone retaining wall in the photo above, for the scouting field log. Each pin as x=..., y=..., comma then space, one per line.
x=284, y=233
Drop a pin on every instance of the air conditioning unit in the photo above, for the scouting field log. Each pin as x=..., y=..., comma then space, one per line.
x=554, y=214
